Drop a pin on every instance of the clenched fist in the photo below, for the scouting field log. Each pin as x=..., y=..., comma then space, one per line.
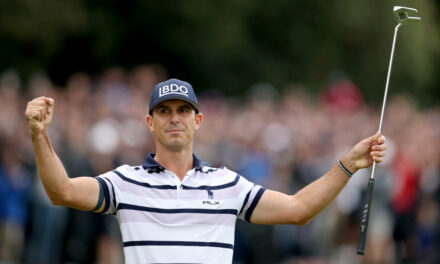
x=39, y=114
x=363, y=154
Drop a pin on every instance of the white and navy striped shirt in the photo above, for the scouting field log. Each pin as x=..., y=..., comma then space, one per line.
x=165, y=220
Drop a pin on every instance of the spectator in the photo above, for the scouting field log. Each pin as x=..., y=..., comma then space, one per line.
x=306, y=135
x=15, y=186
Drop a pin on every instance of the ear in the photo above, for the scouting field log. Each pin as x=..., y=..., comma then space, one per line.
x=149, y=120
x=199, y=120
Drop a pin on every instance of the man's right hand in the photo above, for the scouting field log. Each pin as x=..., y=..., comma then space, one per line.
x=81, y=192
x=39, y=114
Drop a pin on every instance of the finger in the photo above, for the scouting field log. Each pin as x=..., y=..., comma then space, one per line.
x=379, y=142
x=31, y=114
x=49, y=101
x=380, y=147
x=372, y=139
x=36, y=111
x=378, y=159
x=42, y=102
x=377, y=153
x=377, y=135
x=50, y=107
x=37, y=102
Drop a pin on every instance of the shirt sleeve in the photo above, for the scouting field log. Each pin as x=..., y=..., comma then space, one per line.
x=107, y=184
x=250, y=197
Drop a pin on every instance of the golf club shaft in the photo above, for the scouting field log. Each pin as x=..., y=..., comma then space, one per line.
x=390, y=66
x=370, y=188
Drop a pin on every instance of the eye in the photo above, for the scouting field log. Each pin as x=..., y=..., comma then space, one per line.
x=163, y=110
x=184, y=110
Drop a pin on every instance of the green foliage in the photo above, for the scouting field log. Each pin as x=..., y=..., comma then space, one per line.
x=227, y=45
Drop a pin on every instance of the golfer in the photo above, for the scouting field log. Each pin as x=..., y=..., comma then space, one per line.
x=175, y=208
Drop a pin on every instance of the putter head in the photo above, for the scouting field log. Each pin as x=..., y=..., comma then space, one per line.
x=402, y=16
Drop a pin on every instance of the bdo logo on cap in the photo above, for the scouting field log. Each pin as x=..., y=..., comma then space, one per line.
x=173, y=89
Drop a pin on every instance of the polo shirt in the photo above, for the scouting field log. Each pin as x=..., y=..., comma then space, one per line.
x=166, y=220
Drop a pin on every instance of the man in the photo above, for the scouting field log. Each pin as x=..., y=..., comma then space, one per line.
x=175, y=208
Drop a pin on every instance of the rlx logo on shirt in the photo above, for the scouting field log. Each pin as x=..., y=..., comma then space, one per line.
x=211, y=196
x=211, y=202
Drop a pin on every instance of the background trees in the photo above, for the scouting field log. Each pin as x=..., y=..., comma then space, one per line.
x=227, y=45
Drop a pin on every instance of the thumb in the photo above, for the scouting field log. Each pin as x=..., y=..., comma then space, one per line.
x=49, y=101
x=373, y=138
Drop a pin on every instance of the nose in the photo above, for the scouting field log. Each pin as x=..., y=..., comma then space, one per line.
x=174, y=117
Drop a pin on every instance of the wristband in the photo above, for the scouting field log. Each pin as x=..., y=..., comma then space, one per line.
x=344, y=169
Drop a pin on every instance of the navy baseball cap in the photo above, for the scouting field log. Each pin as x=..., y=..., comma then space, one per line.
x=173, y=89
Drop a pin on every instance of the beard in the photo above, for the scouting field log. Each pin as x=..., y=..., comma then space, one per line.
x=174, y=143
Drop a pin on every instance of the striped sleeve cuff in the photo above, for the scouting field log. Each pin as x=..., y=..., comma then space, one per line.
x=250, y=201
x=107, y=197
x=254, y=203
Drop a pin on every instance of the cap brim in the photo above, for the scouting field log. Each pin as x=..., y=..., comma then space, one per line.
x=175, y=98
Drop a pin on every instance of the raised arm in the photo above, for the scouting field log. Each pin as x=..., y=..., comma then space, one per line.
x=278, y=208
x=81, y=193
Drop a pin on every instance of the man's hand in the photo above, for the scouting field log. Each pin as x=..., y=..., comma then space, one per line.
x=298, y=209
x=82, y=192
x=364, y=153
x=39, y=114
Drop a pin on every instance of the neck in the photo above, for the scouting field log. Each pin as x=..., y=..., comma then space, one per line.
x=178, y=162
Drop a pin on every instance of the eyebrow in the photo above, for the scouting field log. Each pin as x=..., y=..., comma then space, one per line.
x=186, y=106
x=162, y=106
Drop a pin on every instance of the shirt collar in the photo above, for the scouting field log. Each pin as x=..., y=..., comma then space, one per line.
x=150, y=162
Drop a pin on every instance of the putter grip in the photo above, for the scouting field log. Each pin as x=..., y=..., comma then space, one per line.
x=365, y=217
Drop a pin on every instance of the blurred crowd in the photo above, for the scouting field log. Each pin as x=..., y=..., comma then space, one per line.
x=281, y=140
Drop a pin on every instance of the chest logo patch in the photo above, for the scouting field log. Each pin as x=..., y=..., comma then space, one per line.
x=211, y=197
x=210, y=194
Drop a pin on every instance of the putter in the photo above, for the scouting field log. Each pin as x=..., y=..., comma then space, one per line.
x=401, y=14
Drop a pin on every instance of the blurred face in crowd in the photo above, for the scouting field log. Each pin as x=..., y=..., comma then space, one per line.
x=173, y=122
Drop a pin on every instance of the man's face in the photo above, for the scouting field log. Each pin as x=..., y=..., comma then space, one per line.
x=173, y=122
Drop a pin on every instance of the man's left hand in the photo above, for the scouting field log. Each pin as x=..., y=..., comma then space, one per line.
x=364, y=153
